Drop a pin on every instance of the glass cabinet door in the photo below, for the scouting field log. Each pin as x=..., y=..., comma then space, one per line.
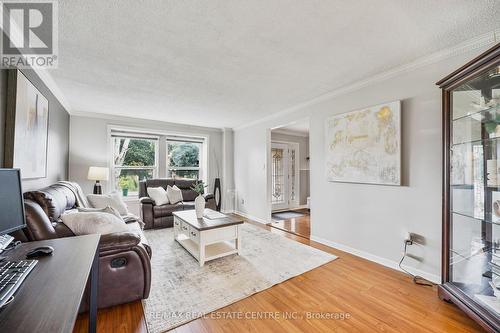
x=475, y=189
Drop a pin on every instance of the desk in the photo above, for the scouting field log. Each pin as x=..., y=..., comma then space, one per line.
x=50, y=296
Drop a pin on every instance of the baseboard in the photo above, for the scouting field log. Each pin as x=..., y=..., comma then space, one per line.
x=379, y=260
x=228, y=211
x=290, y=209
x=250, y=217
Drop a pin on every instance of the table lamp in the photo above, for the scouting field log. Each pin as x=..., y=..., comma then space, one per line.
x=98, y=174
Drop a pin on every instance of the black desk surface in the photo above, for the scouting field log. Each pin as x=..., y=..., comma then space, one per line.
x=49, y=298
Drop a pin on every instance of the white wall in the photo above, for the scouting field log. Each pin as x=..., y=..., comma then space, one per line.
x=89, y=144
x=367, y=220
x=228, y=192
x=303, y=142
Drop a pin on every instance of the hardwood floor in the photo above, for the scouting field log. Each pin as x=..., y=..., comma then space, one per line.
x=300, y=226
x=371, y=297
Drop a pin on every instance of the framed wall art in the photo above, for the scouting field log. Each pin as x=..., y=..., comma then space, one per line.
x=364, y=146
x=26, y=127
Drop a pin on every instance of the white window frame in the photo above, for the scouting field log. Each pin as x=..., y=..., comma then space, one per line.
x=203, y=158
x=161, y=149
x=117, y=133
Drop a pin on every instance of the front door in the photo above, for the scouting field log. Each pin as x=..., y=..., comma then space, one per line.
x=279, y=176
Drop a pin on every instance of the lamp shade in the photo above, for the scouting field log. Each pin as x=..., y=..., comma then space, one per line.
x=98, y=173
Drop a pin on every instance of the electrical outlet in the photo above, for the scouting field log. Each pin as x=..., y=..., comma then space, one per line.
x=242, y=201
x=416, y=238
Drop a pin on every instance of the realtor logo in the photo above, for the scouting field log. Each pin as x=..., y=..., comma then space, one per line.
x=29, y=34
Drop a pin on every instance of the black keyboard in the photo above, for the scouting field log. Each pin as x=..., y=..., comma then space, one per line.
x=12, y=275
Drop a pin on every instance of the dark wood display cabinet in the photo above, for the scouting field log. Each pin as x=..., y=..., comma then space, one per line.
x=471, y=189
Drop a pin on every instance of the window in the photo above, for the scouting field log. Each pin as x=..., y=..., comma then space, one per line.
x=184, y=158
x=134, y=159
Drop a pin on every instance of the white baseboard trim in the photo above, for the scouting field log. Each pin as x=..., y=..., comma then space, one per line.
x=379, y=260
x=227, y=211
x=250, y=217
x=290, y=208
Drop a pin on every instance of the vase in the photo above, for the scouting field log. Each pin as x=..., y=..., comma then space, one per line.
x=124, y=192
x=199, y=206
x=217, y=194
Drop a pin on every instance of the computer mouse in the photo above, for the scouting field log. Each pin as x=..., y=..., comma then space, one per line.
x=40, y=252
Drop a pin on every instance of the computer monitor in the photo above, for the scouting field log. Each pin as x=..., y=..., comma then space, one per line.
x=11, y=201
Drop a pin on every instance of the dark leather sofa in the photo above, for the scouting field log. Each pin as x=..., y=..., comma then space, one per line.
x=124, y=258
x=155, y=216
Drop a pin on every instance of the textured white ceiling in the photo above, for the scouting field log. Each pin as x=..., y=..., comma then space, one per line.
x=226, y=63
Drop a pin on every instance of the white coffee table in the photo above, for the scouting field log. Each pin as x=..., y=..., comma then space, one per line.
x=207, y=239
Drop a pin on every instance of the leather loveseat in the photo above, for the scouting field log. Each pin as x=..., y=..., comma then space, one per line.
x=155, y=216
x=124, y=258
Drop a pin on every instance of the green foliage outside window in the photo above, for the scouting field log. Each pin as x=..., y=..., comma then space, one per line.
x=139, y=153
x=184, y=154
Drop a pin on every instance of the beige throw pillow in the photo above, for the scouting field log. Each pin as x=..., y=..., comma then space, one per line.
x=93, y=223
x=174, y=194
x=113, y=200
x=159, y=195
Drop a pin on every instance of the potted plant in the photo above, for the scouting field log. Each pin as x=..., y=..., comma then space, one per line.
x=199, y=201
x=124, y=185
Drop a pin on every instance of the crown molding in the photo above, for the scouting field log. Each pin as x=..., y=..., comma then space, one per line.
x=475, y=43
x=118, y=118
x=48, y=80
x=290, y=132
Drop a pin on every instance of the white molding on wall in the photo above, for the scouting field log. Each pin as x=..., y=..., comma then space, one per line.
x=46, y=78
x=251, y=217
x=379, y=260
x=112, y=117
x=469, y=45
x=290, y=132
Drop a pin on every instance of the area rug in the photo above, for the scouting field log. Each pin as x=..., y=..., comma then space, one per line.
x=286, y=215
x=182, y=291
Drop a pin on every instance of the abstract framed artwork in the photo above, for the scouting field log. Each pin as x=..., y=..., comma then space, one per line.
x=26, y=127
x=364, y=146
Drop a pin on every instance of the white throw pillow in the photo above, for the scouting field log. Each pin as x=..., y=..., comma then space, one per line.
x=158, y=194
x=113, y=200
x=107, y=209
x=174, y=194
x=93, y=223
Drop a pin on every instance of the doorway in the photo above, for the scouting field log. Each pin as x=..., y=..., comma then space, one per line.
x=284, y=175
x=289, y=178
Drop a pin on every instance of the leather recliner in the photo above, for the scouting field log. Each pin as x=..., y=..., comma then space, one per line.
x=155, y=216
x=124, y=257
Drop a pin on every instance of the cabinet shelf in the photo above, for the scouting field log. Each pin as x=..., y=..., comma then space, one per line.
x=485, y=141
x=486, y=249
x=486, y=219
x=471, y=187
x=487, y=114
